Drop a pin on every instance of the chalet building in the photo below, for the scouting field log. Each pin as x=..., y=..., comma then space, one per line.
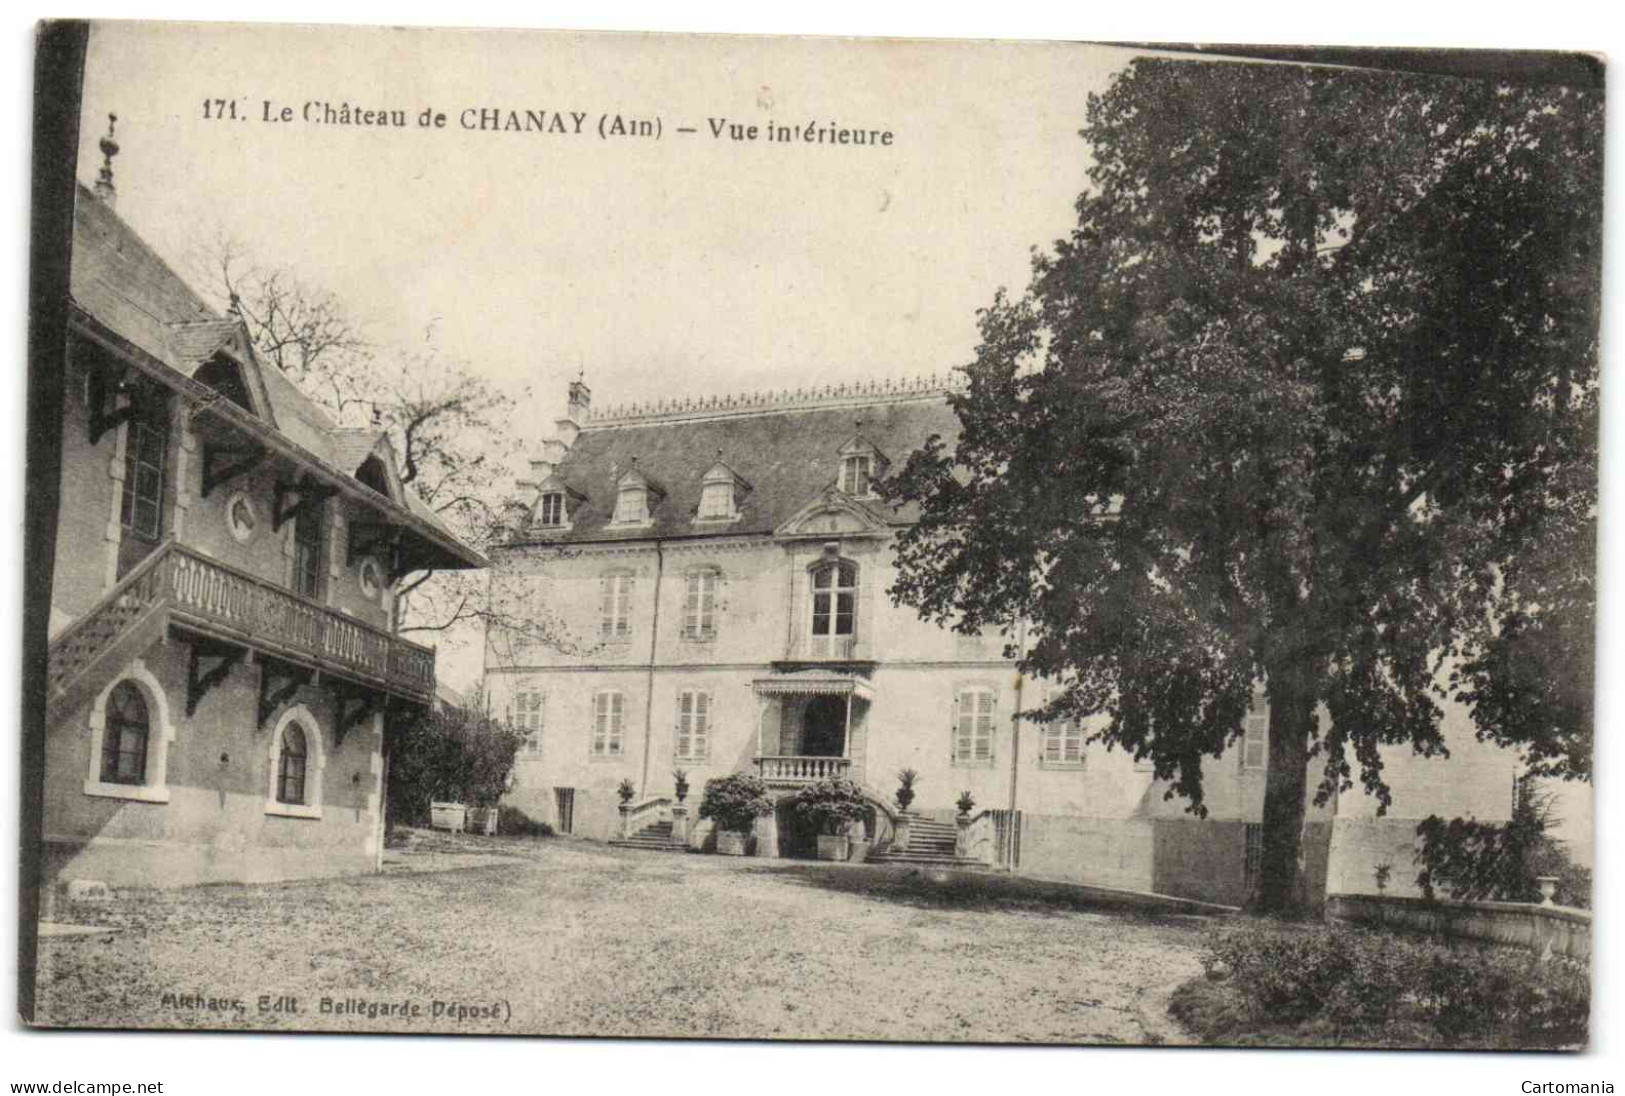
x=223, y=668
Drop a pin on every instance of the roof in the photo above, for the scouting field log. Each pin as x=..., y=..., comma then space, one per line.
x=788, y=456
x=128, y=289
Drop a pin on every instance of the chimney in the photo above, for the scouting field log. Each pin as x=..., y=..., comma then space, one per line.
x=577, y=411
x=104, y=180
x=580, y=406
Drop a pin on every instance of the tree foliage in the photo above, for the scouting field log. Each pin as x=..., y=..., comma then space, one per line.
x=1306, y=401
x=453, y=431
x=1502, y=861
x=456, y=754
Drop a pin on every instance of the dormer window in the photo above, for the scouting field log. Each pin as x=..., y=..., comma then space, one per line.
x=551, y=510
x=856, y=472
x=636, y=496
x=861, y=465
x=631, y=505
x=720, y=493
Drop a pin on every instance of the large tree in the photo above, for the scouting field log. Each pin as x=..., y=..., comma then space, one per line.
x=1305, y=402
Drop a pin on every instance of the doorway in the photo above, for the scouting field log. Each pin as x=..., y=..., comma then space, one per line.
x=823, y=727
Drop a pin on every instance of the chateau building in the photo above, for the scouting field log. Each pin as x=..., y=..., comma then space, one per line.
x=223, y=671
x=716, y=571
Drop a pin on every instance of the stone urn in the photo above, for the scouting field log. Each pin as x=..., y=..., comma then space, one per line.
x=1548, y=889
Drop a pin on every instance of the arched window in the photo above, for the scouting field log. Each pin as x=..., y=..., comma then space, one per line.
x=291, y=763
x=130, y=735
x=834, y=607
x=125, y=736
x=296, y=761
x=372, y=474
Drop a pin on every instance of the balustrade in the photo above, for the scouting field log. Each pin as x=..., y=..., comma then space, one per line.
x=801, y=770
x=241, y=605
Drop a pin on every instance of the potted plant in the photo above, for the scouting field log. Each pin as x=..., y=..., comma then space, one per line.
x=626, y=791
x=482, y=820
x=680, y=780
x=906, y=779
x=831, y=805
x=965, y=803
x=734, y=802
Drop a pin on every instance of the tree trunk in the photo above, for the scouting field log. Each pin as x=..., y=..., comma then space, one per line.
x=1292, y=712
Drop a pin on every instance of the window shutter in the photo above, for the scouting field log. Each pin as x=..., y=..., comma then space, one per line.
x=961, y=738
x=623, y=606
x=616, y=711
x=691, y=607
x=600, y=730
x=604, y=606
x=684, y=723
x=702, y=725
x=984, y=728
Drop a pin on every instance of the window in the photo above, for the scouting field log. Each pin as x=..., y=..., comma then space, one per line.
x=296, y=762
x=700, y=606
x=973, y=726
x=855, y=474
x=717, y=501
x=551, y=511
x=307, y=551
x=290, y=769
x=608, y=713
x=1255, y=852
x=130, y=735
x=145, y=445
x=693, y=725
x=631, y=506
x=124, y=739
x=525, y=715
x=1255, y=740
x=1062, y=744
x=615, y=614
x=834, y=607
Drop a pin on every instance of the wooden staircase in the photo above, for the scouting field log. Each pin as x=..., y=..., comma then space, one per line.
x=929, y=843
x=655, y=837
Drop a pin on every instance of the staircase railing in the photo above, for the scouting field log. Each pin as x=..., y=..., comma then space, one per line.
x=636, y=816
x=130, y=599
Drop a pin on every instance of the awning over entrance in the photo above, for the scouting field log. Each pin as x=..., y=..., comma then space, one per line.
x=813, y=683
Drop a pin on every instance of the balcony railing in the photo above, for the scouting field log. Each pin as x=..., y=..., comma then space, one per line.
x=830, y=648
x=795, y=771
x=231, y=604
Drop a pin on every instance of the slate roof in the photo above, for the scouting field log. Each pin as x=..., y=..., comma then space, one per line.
x=130, y=290
x=789, y=456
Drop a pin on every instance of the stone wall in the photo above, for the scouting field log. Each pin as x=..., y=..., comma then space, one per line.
x=1557, y=930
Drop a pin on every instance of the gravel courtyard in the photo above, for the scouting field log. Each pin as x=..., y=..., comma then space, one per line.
x=564, y=937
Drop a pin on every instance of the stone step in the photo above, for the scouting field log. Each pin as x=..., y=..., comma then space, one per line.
x=926, y=861
x=649, y=846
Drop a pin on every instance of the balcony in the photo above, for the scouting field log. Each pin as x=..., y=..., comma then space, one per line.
x=795, y=772
x=177, y=586
x=809, y=649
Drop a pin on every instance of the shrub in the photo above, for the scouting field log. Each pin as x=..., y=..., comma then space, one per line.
x=1477, y=861
x=1358, y=982
x=626, y=790
x=515, y=822
x=735, y=801
x=965, y=803
x=830, y=804
x=452, y=753
x=906, y=779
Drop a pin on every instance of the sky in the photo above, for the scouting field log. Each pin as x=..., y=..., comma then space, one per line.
x=681, y=266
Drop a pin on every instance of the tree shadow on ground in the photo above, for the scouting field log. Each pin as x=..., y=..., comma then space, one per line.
x=942, y=890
